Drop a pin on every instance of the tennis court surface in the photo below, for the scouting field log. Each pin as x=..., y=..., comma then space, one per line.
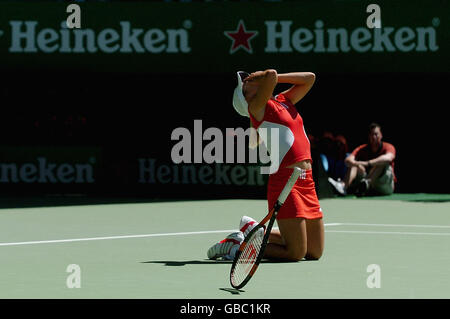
x=158, y=250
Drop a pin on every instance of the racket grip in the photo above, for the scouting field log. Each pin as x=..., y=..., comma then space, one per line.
x=290, y=183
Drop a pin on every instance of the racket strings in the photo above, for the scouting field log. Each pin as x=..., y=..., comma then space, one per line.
x=247, y=258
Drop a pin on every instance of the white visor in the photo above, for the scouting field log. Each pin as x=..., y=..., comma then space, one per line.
x=239, y=102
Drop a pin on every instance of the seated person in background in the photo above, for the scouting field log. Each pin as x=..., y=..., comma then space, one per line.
x=370, y=168
x=333, y=151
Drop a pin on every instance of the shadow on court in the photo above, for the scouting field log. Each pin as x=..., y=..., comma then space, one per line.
x=207, y=262
x=432, y=200
x=187, y=262
x=232, y=291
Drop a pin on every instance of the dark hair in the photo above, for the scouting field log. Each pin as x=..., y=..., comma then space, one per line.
x=374, y=125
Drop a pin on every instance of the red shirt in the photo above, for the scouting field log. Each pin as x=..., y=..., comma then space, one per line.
x=294, y=144
x=364, y=153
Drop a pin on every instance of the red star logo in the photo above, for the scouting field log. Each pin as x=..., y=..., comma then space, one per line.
x=241, y=38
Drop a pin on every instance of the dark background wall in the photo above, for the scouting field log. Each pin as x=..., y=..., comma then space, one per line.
x=131, y=115
x=109, y=109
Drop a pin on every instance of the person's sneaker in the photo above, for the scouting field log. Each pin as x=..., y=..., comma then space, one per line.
x=247, y=224
x=338, y=185
x=226, y=248
x=362, y=188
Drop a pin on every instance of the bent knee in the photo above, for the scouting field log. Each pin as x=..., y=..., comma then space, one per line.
x=313, y=256
x=295, y=258
x=296, y=255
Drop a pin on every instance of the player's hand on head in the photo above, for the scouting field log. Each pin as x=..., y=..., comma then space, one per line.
x=255, y=76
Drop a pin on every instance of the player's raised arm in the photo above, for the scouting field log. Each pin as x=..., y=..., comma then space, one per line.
x=302, y=83
x=258, y=89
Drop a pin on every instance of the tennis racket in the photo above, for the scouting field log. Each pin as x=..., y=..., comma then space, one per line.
x=252, y=248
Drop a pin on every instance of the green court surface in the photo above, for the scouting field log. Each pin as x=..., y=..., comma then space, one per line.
x=158, y=250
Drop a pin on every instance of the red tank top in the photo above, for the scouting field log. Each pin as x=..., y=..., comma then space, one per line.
x=293, y=143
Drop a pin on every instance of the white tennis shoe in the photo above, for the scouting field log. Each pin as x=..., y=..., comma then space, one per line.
x=226, y=248
x=247, y=224
x=338, y=185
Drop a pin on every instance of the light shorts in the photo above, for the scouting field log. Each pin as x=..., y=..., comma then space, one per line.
x=384, y=184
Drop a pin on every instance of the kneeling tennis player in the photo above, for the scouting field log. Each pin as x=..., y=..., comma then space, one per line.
x=300, y=232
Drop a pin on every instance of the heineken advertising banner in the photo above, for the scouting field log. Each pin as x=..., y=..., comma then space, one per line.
x=324, y=36
x=157, y=178
x=85, y=170
x=46, y=169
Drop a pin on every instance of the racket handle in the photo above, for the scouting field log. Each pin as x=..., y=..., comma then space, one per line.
x=290, y=183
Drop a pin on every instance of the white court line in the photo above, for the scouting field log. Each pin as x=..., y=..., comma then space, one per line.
x=125, y=237
x=113, y=237
x=384, y=232
x=226, y=231
x=395, y=225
